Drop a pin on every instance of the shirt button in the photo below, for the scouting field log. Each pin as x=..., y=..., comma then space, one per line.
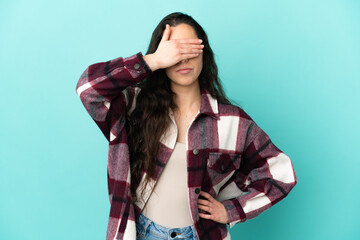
x=137, y=66
x=196, y=151
x=197, y=190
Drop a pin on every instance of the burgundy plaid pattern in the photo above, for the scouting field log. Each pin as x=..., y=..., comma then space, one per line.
x=228, y=155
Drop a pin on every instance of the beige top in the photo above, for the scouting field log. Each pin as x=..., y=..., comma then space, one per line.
x=168, y=205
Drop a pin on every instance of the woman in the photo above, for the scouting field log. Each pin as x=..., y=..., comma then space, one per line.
x=183, y=161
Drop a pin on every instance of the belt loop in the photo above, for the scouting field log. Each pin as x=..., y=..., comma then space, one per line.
x=147, y=224
x=194, y=232
x=146, y=221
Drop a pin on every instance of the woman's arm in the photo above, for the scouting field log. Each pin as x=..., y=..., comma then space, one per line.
x=107, y=88
x=269, y=177
x=104, y=88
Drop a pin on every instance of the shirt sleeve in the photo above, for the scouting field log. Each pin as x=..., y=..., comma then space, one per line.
x=107, y=88
x=265, y=177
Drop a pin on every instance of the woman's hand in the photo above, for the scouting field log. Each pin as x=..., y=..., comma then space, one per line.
x=170, y=52
x=216, y=209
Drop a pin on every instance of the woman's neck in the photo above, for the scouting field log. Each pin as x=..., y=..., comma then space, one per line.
x=187, y=98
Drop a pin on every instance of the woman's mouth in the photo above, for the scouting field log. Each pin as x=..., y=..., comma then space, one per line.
x=184, y=70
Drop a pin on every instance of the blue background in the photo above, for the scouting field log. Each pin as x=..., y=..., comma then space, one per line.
x=294, y=66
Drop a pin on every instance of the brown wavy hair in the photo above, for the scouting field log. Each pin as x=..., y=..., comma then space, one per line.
x=150, y=118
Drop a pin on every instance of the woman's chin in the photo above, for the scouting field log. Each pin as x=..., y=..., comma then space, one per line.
x=184, y=83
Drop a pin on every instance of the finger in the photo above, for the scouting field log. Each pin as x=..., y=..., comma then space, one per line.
x=192, y=41
x=206, y=216
x=188, y=56
x=204, y=202
x=190, y=45
x=205, y=208
x=206, y=195
x=166, y=33
x=190, y=50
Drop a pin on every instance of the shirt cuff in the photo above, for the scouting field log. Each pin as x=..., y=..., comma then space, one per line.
x=135, y=66
x=234, y=211
x=143, y=63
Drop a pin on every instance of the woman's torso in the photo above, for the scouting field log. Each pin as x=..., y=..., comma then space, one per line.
x=168, y=205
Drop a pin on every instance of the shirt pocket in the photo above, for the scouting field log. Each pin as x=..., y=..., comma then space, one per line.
x=222, y=165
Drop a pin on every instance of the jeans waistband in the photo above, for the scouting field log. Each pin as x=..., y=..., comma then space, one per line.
x=145, y=225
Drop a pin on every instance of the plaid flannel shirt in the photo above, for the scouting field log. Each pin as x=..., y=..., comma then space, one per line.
x=228, y=155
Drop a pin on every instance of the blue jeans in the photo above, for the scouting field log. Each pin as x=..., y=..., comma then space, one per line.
x=147, y=229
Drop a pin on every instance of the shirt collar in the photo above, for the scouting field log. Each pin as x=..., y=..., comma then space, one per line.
x=209, y=105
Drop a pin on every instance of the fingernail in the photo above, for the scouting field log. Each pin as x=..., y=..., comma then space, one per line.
x=200, y=41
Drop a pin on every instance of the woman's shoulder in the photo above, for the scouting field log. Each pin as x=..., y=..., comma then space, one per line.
x=231, y=109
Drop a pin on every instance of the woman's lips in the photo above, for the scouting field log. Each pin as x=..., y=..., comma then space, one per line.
x=184, y=70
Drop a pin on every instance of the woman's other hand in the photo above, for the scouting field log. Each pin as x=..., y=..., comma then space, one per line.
x=216, y=210
x=170, y=52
